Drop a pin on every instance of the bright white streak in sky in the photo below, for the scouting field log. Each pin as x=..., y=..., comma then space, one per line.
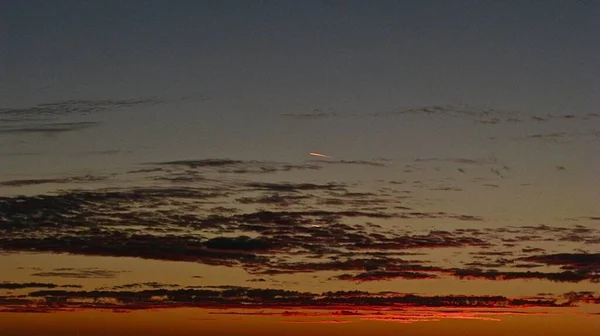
x=319, y=155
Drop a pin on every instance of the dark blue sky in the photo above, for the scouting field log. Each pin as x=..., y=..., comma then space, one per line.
x=521, y=54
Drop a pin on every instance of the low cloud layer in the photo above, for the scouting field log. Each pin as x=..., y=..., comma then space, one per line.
x=231, y=297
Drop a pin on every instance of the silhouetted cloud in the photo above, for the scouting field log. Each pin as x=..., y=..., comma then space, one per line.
x=24, y=285
x=42, y=118
x=79, y=273
x=221, y=221
x=460, y=161
x=566, y=276
x=482, y=115
x=314, y=114
x=587, y=263
x=73, y=107
x=154, y=285
x=49, y=128
x=78, y=179
x=564, y=137
x=295, y=187
x=385, y=275
x=275, y=199
x=351, y=162
x=254, y=298
x=238, y=166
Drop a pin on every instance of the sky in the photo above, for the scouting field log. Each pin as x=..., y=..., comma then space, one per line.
x=156, y=174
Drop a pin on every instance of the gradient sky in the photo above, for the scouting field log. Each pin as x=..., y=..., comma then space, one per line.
x=154, y=161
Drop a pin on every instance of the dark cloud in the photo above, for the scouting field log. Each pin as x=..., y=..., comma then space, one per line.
x=470, y=113
x=576, y=233
x=314, y=114
x=74, y=179
x=385, y=275
x=587, y=263
x=49, y=128
x=41, y=119
x=460, y=160
x=25, y=285
x=195, y=222
x=242, y=243
x=225, y=297
x=108, y=152
x=22, y=183
x=79, y=273
x=73, y=107
x=117, y=244
x=582, y=296
x=356, y=263
x=154, y=285
x=481, y=115
x=351, y=162
x=202, y=163
x=548, y=136
x=295, y=187
x=564, y=137
x=275, y=199
x=238, y=166
x=257, y=280
x=169, y=224
x=566, y=276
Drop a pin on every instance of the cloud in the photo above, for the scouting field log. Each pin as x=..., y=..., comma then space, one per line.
x=385, y=275
x=73, y=107
x=474, y=114
x=237, y=166
x=79, y=273
x=203, y=163
x=173, y=248
x=224, y=222
x=49, y=128
x=77, y=179
x=275, y=199
x=155, y=285
x=166, y=223
x=41, y=119
x=25, y=285
x=314, y=114
x=474, y=273
x=587, y=263
x=295, y=187
x=353, y=264
x=351, y=162
x=242, y=243
x=460, y=161
x=564, y=137
x=228, y=297
x=582, y=296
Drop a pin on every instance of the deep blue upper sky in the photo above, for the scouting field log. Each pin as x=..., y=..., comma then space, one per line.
x=519, y=54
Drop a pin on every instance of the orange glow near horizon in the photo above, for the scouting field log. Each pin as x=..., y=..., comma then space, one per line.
x=186, y=321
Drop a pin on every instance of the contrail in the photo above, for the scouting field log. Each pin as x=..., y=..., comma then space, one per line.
x=319, y=155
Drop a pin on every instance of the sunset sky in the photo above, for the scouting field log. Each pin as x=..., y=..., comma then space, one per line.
x=158, y=173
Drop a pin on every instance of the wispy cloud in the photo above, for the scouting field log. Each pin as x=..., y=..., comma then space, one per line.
x=42, y=118
x=351, y=162
x=76, y=179
x=78, y=273
x=49, y=128
x=25, y=285
x=73, y=107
